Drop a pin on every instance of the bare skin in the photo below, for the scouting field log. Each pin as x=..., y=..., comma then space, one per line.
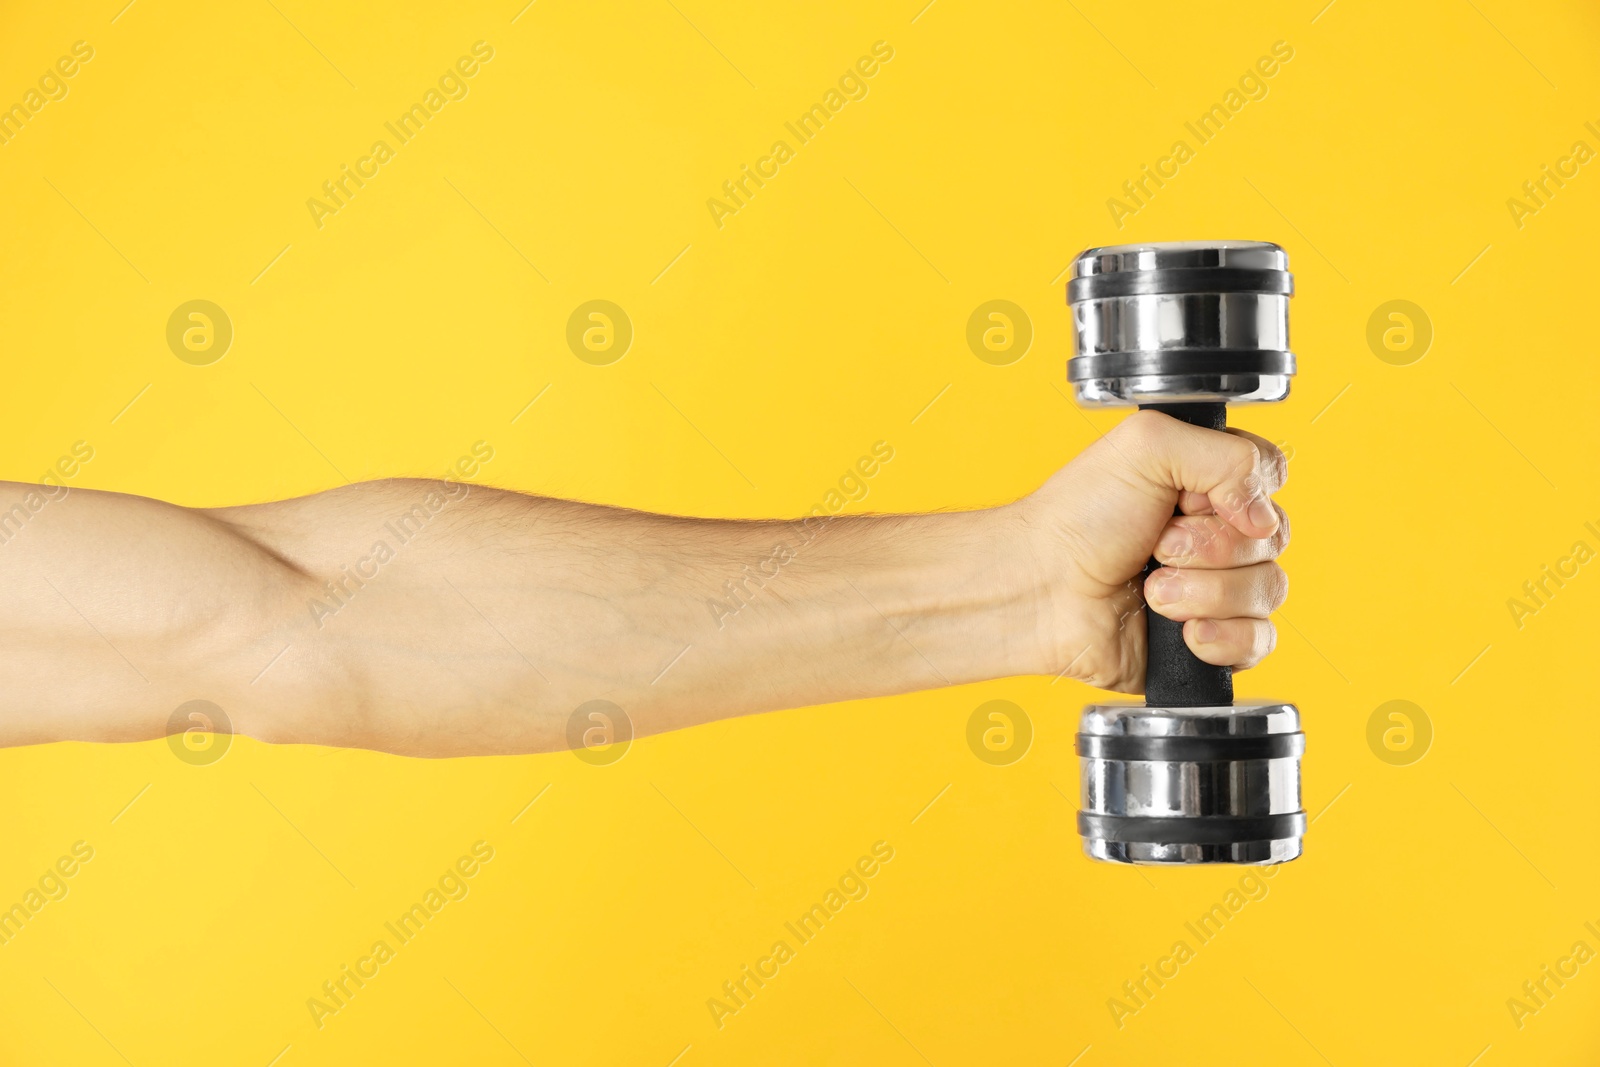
x=492, y=615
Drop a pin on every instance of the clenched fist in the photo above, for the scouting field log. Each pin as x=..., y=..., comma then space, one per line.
x=1093, y=526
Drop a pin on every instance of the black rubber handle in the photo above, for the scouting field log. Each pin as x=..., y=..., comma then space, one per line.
x=1174, y=677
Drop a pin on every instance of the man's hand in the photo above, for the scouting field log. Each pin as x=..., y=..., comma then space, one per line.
x=1100, y=518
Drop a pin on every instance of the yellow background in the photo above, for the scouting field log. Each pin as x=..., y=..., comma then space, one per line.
x=823, y=317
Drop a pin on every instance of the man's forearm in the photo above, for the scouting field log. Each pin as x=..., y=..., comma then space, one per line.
x=440, y=618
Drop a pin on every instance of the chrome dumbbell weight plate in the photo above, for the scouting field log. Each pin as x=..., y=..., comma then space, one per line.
x=1181, y=322
x=1191, y=785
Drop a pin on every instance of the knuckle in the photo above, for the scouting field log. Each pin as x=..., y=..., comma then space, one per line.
x=1211, y=543
x=1222, y=592
x=1242, y=643
x=1243, y=481
x=1142, y=427
x=1255, y=592
x=1247, y=461
x=1251, y=646
x=1231, y=499
x=1274, y=464
x=1280, y=466
x=1280, y=541
x=1277, y=586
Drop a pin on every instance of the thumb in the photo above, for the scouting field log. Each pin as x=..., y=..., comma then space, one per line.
x=1235, y=473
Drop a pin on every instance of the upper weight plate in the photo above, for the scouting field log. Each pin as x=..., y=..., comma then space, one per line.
x=1181, y=321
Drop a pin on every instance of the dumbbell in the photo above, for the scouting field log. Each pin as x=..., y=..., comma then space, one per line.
x=1185, y=328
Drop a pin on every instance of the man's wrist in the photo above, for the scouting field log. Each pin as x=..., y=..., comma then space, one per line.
x=965, y=595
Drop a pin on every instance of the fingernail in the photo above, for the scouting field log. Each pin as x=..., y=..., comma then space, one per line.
x=1176, y=543
x=1167, y=588
x=1205, y=631
x=1261, y=513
